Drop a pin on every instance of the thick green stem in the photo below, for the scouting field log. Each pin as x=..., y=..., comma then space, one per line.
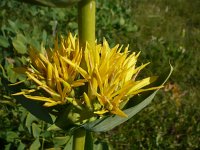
x=86, y=31
x=86, y=22
x=79, y=139
x=86, y=27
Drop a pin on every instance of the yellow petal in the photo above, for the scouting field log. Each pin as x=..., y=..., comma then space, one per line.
x=79, y=69
x=49, y=75
x=119, y=112
x=31, y=76
x=43, y=58
x=78, y=83
x=142, y=83
x=39, y=98
x=101, y=112
x=143, y=90
x=87, y=101
x=24, y=92
x=50, y=104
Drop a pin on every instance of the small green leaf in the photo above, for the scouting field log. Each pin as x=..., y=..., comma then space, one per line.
x=8, y=146
x=36, y=130
x=69, y=145
x=4, y=42
x=12, y=76
x=11, y=136
x=29, y=120
x=13, y=25
x=21, y=146
x=19, y=46
x=19, y=43
x=59, y=141
x=35, y=145
x=21, y=38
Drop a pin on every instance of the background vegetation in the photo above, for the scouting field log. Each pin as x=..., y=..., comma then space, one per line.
x=163, y=31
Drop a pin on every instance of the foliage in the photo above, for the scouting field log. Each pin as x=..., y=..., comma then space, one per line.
x=162, y=30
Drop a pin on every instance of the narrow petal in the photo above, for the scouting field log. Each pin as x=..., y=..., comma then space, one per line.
x=39, y=98
x=119, y=112
x=142, y=83
x=87, y=101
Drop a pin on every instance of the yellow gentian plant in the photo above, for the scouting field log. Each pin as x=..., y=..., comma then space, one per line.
x=109, y=78
x=91, y=82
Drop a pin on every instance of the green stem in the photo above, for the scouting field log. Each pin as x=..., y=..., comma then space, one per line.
x=86, y=31
x=86, y=22
x=79, y=139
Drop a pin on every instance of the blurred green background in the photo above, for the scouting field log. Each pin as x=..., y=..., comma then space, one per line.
x=164, y=31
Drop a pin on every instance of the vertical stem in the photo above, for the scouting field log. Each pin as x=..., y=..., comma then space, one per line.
x=86, y=31
x=86, y=22
x=79, y=139
x=86, y=27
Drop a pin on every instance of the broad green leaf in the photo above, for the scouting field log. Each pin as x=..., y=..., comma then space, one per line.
x=35, y=145
x=21, y=146
x=108, y=123
x=4, y=42
x=11, y=136
x=36, y=130
x=8, y=146
x=19, y=46
x=52, y=3
x=113, y=121
x=29, y=120
x=11, y=75
x=21, y=38
x=54, y=128
x=19, y=43
x=69, y=145
x=59, y=141
x=13, y=25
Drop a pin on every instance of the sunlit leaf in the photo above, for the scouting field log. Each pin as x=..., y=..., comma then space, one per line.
x=19, y=46
x=29, y=120
x=4, y=42
x=21, y=146
x=69, y=144
x=59, y=141
x=11, y=136
x=35, y=145
x=36, y=130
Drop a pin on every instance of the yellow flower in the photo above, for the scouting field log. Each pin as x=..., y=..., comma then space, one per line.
x=51, y=73
x=113, y=77
x=109, y=76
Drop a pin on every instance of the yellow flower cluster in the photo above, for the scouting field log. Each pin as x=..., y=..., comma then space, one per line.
x=99, y=78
